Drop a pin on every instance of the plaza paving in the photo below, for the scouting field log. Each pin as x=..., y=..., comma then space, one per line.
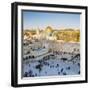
x=51, y=67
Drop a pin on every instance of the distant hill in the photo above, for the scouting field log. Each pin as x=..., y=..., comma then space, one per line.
x=67, y=34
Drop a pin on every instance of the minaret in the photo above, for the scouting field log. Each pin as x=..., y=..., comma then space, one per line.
x=37, y=32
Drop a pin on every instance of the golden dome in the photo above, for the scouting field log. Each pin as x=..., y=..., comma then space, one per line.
x=48, y=29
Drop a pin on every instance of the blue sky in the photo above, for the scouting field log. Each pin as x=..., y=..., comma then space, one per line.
x=41, y=20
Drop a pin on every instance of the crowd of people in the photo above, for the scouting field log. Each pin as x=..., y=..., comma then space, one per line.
x=51, y=67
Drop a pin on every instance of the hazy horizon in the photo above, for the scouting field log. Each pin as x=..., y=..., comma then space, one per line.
x=34, y=20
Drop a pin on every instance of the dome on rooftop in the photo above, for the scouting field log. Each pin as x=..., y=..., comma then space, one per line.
x=48, y=29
